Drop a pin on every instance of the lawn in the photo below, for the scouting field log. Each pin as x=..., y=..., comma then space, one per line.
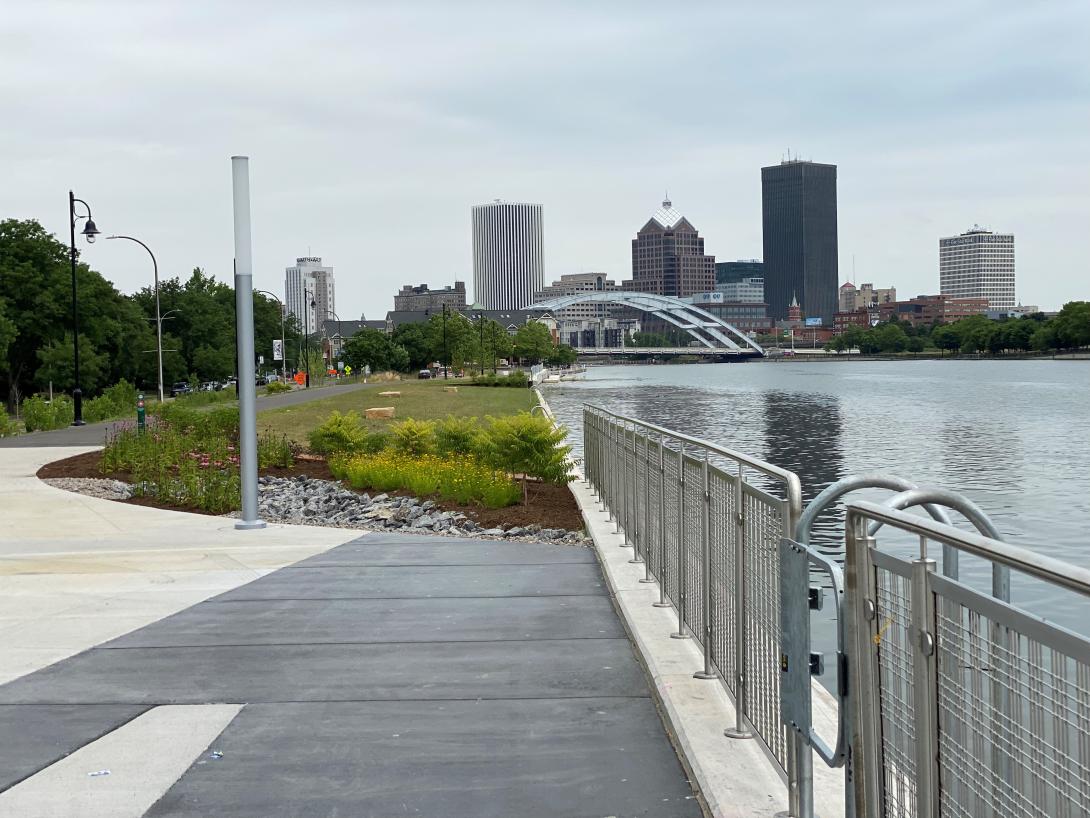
x=423, y=400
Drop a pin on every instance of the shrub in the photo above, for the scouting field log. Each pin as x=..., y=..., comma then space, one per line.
x=117, y=401
x=517, y=379
x=457, y=435
x=275, y=451
x=338, y=433
x=7, y=425
x=277, y=388
x=461, y=479
x=374, y=442
x=529, y=446
x=414, y=437
x=40, y=415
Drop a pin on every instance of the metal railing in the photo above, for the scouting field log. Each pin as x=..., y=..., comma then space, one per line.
x=966, y=705
x=706, y=522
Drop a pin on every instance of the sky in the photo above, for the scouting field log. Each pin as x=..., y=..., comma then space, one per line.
x=373, y=128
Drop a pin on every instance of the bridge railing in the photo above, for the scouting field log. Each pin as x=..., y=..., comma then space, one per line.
x=707, y=522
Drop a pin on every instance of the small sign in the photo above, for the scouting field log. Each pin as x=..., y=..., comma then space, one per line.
x=348, y=370
x=813, y=322
x=260, y=359
x=340, y=365
x=278, y=349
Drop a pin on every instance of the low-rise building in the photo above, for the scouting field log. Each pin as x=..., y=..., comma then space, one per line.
x=858, y=318
x=421, y=297
x=927, y=309
x=865, y=296
x=746, y=316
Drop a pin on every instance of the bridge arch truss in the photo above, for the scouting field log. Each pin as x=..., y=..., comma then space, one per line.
x=710, y=330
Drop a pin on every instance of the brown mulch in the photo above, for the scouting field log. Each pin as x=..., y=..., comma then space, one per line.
x=550, y=506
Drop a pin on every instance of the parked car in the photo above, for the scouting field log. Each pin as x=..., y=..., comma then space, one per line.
x=424, y=374
x=262, y=381
x=180, y=388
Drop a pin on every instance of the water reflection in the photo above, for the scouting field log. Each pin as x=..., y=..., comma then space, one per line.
x=802, y=433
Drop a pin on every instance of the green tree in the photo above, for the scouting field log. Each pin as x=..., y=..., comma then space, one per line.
x=649, y=339
x=562, y=355
x=370, y=347
x=452, y=338
x=36, y=282
x=945, y=337
x=1072, y=325
x=533, y=342
x=57, y=365
x=413, y=338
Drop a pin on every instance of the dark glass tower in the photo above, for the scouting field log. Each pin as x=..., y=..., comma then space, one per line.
x=800, y=250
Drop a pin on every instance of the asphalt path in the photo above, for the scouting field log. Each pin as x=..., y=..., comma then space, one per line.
x=392, y=675
x=93, y=434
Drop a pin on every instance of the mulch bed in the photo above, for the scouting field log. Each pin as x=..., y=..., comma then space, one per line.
x=550, y=506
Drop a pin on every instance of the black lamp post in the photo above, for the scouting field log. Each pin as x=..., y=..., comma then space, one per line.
x=90, y=231
x=446, y=349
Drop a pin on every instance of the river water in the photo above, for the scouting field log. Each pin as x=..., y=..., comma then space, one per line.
x=1013, y=436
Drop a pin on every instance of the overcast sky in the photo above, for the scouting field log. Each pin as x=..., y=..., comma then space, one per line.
x=374, y=127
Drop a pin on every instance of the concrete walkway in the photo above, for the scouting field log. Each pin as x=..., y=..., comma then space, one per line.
x=388, y=675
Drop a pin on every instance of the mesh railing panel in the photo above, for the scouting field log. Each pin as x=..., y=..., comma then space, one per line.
x=652, y=540
x=672, y=506
x=763, y=524
x=896, y=709
x=723, y=541
x=694, y=550
x=1014, y=718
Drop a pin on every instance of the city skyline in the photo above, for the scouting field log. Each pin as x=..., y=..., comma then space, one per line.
x=917, y=115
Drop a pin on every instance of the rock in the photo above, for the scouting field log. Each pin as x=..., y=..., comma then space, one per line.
x=380, y=498
x=517, y=531
x=493, y=532
x=379, y=412
x=389, y=394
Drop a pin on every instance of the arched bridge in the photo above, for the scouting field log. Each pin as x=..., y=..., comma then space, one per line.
x=711, y=331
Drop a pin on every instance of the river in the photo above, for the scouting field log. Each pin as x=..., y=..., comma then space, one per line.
x=1013, y=436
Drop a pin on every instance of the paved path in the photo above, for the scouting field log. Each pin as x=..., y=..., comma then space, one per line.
x=94, y=433
x=393, y=675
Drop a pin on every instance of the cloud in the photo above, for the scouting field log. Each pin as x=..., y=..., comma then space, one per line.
x=374, y=127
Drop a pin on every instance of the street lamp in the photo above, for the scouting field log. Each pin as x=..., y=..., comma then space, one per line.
x=158, y=319
x=283, y=340
x=446, y=349
x=89, y=231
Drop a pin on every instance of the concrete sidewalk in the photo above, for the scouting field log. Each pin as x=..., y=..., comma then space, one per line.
x=76, y=571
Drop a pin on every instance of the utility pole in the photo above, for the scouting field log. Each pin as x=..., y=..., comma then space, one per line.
x=480, y=321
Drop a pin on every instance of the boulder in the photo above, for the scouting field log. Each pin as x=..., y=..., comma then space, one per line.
x=389, y=394
x=379, y=412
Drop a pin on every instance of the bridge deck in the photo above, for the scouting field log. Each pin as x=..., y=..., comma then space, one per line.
x=393, y=675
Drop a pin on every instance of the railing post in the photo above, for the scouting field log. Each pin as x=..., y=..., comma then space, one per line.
x=680, y=544
x=645, y=529
x=861, y=611
x=706, y=556
x=662, y=603
x=739, y=603
x=633, y=516
x=925, y=686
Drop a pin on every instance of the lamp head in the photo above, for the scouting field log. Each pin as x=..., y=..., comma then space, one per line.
x=90, y=231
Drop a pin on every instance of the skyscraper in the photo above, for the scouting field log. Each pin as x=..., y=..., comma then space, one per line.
x=309, y=281
x=668, y=257
x=978, y=264
x=800, y=247
x=508, y=250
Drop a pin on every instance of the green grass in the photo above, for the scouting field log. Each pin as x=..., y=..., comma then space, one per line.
x=423, y=400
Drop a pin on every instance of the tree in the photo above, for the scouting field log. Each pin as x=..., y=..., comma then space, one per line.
x=1072, y=325
x=915, y=344
x=57, y=365
x=649, y=339
x=413, y=338
x=562, y=355
x=36, y=282
x=370, y=347
x=533, y=342
x=451, y=338
x=945, y=337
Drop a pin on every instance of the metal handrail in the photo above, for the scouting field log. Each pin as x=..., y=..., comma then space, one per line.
x=1058, y=572
x=791, y=480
